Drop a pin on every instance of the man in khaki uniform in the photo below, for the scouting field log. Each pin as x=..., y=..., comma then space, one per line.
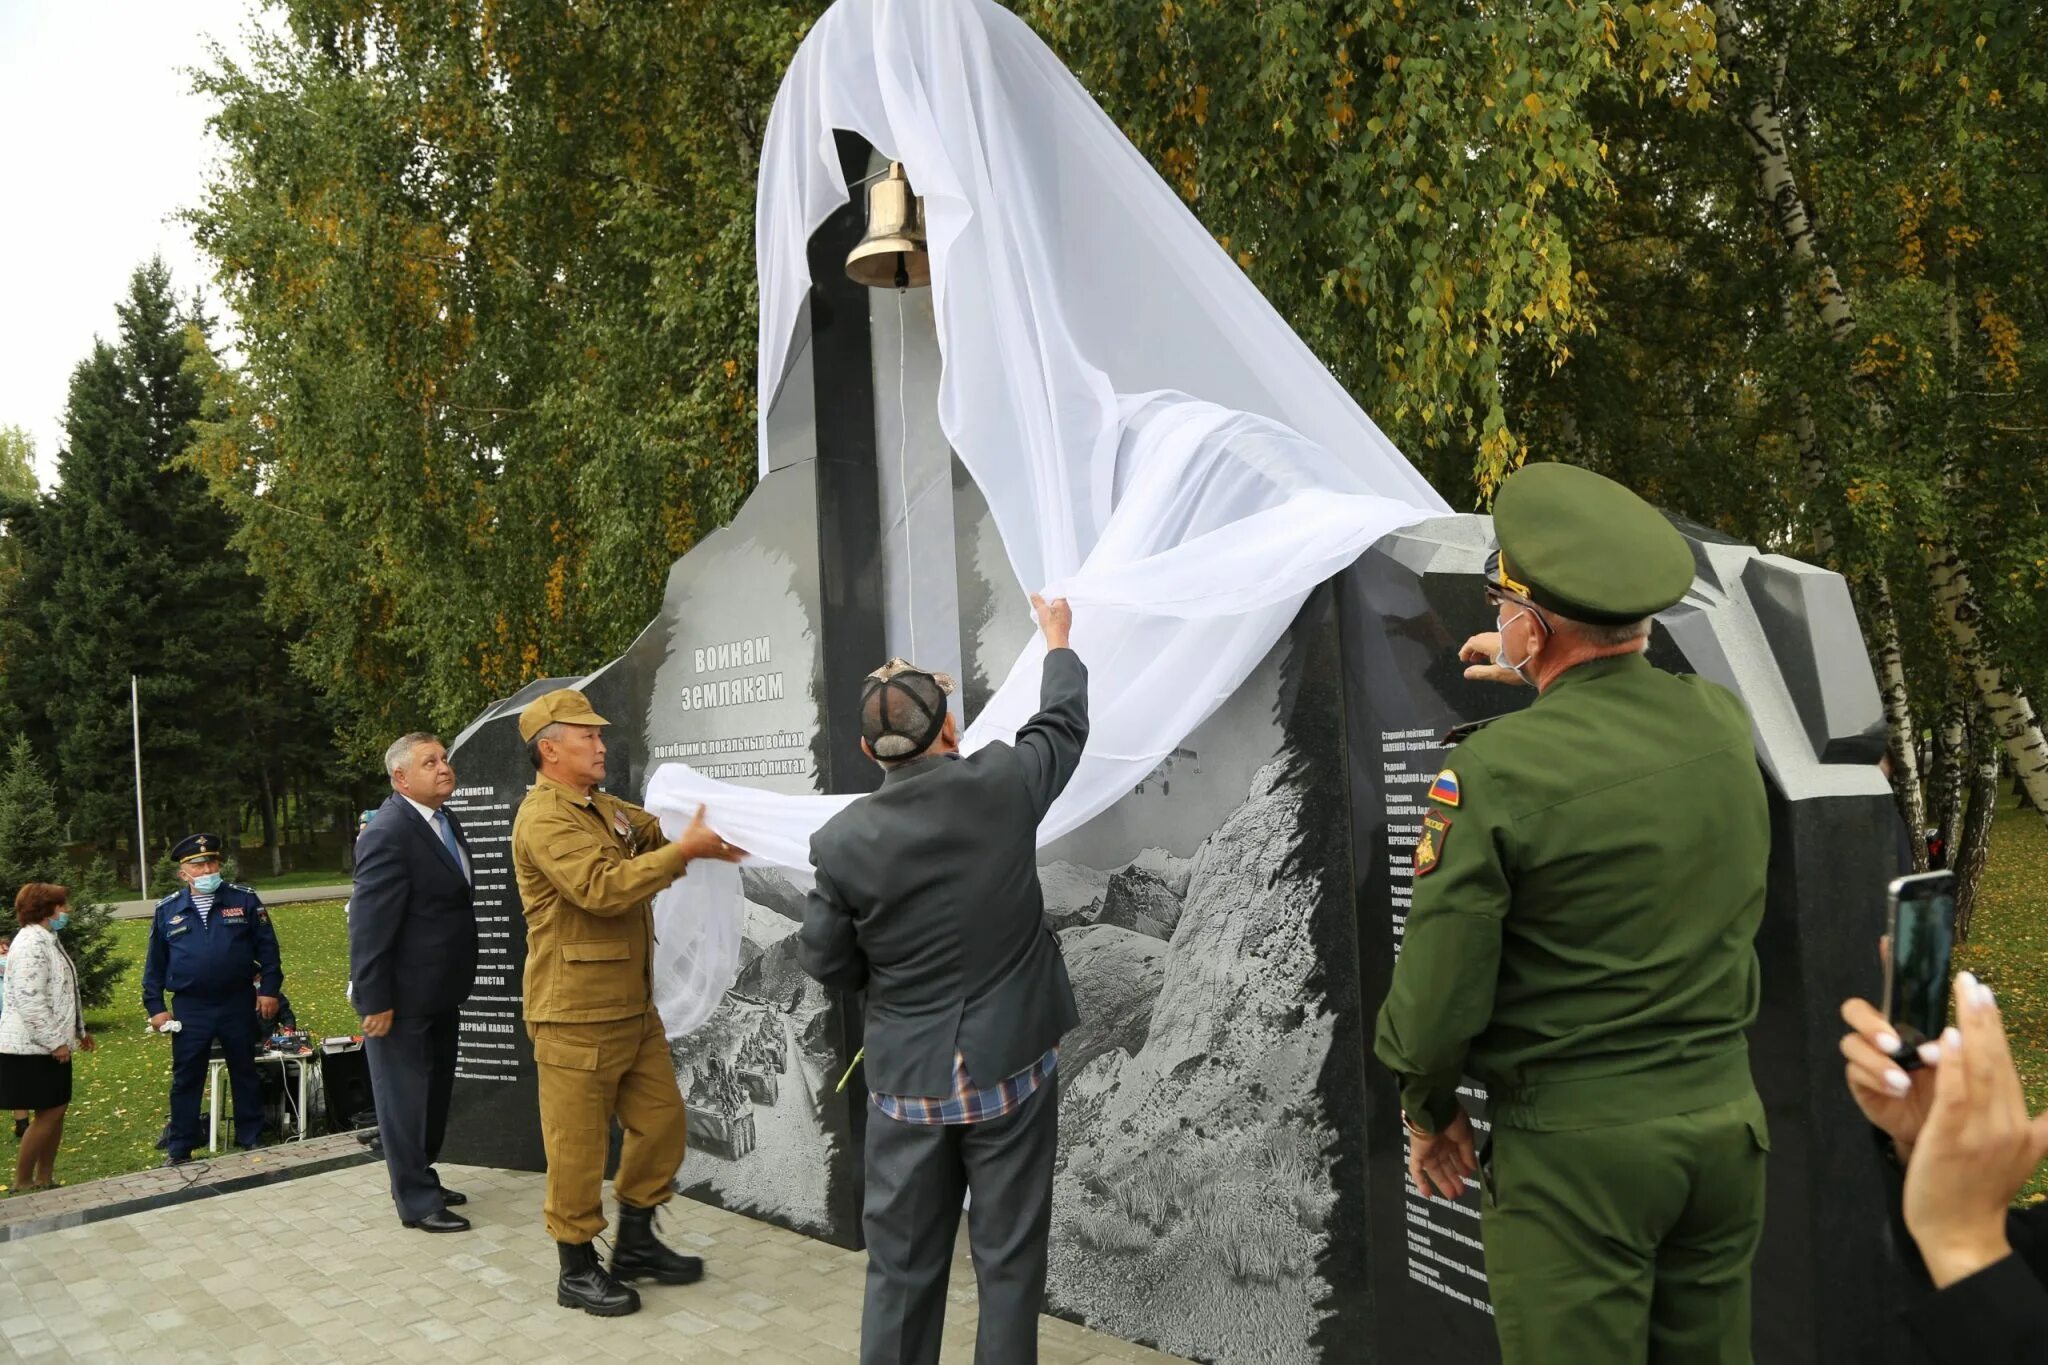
x=588, y=866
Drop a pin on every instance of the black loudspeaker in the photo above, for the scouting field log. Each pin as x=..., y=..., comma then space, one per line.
x=345, y=1077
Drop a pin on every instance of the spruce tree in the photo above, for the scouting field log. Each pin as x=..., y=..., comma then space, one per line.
x=143, y=580
x=32, y=850
x=17, y=497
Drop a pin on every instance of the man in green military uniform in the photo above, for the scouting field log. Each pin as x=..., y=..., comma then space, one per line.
x=588, y=865
x=1587, y=892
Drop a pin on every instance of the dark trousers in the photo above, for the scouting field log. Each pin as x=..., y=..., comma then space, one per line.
x=230, y=1019
x=916, y=1175
x=412, y=1071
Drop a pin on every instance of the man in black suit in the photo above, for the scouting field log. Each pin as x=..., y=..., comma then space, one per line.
x=412, y=957
x=928, y=899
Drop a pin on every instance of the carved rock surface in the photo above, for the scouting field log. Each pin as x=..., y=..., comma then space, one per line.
x=1196, y=1170
x=1116, y=974
x=1073, y=894
x=1137, y=899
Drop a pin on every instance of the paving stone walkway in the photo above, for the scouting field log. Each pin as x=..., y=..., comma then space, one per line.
x=316, y=1268
x=25, y=1215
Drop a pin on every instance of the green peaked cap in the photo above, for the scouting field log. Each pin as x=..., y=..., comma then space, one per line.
x=1579, y=544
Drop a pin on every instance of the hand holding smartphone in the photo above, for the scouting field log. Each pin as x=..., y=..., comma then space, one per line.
x=1922, y=939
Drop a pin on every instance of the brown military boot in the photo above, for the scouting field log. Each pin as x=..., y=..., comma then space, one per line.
x=587, y=1285
x=640, y=1254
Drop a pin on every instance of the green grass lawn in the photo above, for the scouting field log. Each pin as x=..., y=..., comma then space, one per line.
x=2008, y=948
x=121, y=1091
x=258, y=880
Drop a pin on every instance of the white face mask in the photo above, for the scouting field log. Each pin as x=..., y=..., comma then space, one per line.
x=1500, y=655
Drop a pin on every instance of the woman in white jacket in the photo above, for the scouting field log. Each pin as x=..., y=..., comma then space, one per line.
x=43, y=1022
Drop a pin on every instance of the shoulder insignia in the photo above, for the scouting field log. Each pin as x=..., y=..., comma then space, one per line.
x=173, y=896
x=1429, y=850
x=1445, y=788
x=1459, y=733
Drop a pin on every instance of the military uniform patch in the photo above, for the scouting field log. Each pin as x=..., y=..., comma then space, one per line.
x=1445, y=788
x=1429, y=850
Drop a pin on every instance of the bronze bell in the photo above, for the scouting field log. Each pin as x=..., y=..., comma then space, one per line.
x=892, y=255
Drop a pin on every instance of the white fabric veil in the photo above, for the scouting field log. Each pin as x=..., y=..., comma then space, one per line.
x=1154, y=442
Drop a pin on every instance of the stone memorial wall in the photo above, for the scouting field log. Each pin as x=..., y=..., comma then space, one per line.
x=1231, y=1174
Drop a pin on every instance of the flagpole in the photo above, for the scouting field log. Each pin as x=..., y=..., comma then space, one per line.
x=141, y=843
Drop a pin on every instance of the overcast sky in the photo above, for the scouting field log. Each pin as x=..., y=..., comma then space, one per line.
x=100, y=143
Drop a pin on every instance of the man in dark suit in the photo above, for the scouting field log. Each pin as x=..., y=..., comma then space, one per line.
x=928, y=899
x=412, y=958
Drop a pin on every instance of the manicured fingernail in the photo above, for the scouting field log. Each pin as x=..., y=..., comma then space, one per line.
x=1985, y=999
x=1897, y=1082
x=1968, y=981
x=1930, y=1053
x=1888, y=1042
x=1951, y=1040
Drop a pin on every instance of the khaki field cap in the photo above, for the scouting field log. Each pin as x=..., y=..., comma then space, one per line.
x=564, y=704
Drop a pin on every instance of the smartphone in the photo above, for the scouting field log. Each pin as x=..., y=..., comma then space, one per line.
x=1922, y=936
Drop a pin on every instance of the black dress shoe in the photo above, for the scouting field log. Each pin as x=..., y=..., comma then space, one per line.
x=440, y=1220
x=175, y=1160
x=451, y=1198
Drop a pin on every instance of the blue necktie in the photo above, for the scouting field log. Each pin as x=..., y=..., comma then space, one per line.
x=447, y=832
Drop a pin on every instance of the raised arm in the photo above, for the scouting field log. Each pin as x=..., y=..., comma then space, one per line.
x=1049, y=744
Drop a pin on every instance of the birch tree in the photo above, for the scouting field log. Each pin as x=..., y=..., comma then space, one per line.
x=1948, y=571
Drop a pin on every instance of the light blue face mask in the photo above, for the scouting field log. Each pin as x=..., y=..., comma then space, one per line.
x=57, y=922
x=209, y=882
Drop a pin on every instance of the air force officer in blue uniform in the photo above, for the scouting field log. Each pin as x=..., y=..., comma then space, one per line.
x=207, y=940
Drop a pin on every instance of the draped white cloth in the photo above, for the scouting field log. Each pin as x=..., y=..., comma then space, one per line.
x=1154, y=443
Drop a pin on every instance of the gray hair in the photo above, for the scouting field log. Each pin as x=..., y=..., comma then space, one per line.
x=400, y=752
x=1607, y=637
x=552, y=730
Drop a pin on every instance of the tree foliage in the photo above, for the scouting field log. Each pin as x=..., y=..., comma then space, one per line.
x=493, y=269
x=32, y=850
x=1400, y=179
x=126, y=569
